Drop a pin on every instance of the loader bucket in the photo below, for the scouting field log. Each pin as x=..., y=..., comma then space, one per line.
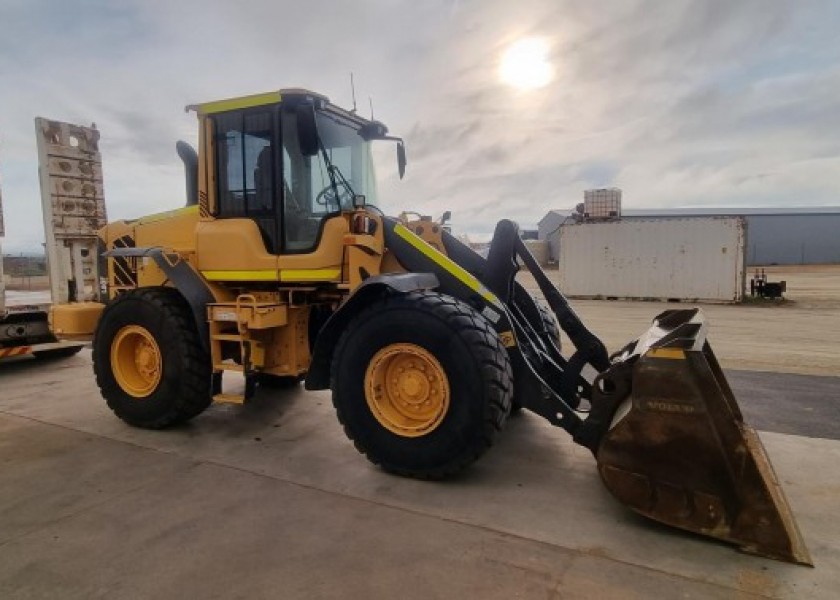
x=678, y=450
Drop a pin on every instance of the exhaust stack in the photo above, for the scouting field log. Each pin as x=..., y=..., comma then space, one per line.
x=190, y=158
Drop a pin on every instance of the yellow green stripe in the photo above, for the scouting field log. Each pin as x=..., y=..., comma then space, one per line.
x=309, y=274
x=252, y=275
x=286, y=275
x=446, y=263
x=237, y=103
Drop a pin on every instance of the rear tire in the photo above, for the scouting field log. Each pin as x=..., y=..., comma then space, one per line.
x=148, y=359
x=439, y=340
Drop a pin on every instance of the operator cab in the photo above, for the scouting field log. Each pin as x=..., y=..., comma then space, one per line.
x=289, y=161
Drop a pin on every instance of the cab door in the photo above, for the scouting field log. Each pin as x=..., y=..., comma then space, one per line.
x=313, y=227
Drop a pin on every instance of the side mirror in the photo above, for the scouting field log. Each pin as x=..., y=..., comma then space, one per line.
x=401, y=162
x=307, y=129
x=445, y=217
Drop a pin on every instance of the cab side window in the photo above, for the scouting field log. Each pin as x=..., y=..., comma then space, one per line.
x=247, y=174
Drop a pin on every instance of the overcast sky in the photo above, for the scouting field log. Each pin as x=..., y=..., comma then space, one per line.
x=679, y=103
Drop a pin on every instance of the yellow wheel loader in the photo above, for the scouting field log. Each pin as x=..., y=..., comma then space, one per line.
x=280, y=267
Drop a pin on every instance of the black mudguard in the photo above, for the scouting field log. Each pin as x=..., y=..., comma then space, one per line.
x=318, y=377
x=183, y=276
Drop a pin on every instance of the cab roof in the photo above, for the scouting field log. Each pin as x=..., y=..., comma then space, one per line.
x=252, y=100
x=284, y=94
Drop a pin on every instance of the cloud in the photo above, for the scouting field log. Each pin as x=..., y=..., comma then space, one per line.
x=689, y=102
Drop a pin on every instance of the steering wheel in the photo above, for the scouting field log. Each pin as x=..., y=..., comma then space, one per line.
x=327, y=196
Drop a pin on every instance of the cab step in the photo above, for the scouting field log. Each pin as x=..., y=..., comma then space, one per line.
x=229, y=398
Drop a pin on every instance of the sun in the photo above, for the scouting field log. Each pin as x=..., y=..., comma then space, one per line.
x=525, y=64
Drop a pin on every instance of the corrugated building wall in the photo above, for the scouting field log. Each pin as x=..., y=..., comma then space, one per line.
x=803, y=236
x=793, y=239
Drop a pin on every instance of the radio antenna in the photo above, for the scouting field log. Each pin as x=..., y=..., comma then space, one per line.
x=370, y=100
x=353, y=92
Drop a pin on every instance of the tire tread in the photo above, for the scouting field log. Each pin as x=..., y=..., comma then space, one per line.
x=491, y=355
x=195, y=373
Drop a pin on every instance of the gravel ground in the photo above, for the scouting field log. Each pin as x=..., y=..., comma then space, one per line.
x=800, y=335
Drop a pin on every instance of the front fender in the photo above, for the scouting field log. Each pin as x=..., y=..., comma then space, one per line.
x=318, y=377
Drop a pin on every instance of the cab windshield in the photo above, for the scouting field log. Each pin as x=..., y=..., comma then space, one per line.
x=311, y=191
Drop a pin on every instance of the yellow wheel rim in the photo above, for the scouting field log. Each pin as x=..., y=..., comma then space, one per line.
x=136, y=361
x=407, y=390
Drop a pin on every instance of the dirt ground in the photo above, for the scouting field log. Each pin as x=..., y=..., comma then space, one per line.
x=799, y=335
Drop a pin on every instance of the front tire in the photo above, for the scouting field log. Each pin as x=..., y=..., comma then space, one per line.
x=148, y=359
x=422, y=384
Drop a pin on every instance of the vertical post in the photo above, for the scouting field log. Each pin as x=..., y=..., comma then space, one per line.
x=741, y=263
x=2, y=282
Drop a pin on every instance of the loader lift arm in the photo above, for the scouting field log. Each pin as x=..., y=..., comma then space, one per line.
x=546, y=382
x=604, y=392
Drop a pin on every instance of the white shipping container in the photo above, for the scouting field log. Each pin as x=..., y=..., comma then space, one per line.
x=691, y=259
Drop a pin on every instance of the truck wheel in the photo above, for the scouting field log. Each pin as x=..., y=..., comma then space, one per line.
x=148, y=359
x=57, y=353
x=421, y=384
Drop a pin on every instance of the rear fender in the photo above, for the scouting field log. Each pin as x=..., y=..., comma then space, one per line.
x=183, y=277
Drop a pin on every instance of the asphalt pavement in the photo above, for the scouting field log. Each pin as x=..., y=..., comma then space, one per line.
x=807, y=405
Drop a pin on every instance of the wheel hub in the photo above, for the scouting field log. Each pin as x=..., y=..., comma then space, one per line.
x=136, y=361
x=407, y=390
